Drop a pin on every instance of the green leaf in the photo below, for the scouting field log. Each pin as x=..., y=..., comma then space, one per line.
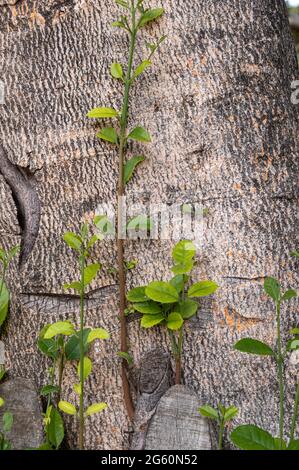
x=293, y=345
x=47, y=389
x=174, y=321
x=73, y=240
x=55, y=428
x=140, y=134
x=87, y=368
x=137, y=294
x=154, y=47
x=293, y=445
x=90, y=272
x=187, y=308
x=150, y=15
x=183, y=268
x=289, y=294
x=4, y=303
x=202, y=289
x=96, y=408
x=94, y=239
x=109, y=134
x=2, y=402
x=7, y=421
x=130, y=166
x=183, y=251
x=294, y=331
x=230, y=413
x=141, y=68
x=209, y=412
x=59, y=328
x=280, y=445
x=73, y=285
x=122, y=3
x=272, y=288
x=72, y=347
x=67, y=407
x=178, y=282
x=116, y=70
x=102, y=113
x=295, y=253
x=119, y=24
x=97, y=333
x=148, y=321
x=127, y=357
x=150, y=307
x=48, y=347
x=162, y=292
x=254, y=346
x=249, y=437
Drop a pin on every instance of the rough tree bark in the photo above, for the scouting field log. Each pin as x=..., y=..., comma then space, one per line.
x=225, y=134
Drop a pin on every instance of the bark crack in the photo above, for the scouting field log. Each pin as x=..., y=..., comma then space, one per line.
x=21, y=182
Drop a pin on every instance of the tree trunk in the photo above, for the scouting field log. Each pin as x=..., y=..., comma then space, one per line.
x=224, y=135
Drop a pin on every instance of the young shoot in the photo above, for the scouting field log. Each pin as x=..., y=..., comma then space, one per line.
x=221, y=415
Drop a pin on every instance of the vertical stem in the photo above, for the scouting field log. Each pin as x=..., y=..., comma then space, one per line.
x=295, y=414
x=280, y=377
x=120, y=241
x=52, y=376
x=81, y=407
x=2, y=279
x=60, y=375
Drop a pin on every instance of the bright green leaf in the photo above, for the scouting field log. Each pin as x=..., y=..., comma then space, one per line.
x=59, y=328
x=178, y=282
x=2, y=402
x=187, y=308
x=230, y=413
x=67, y=407
x=47, y=389
x=289, y=294
x=97, y=333
x=109, y=134
x=150, y=15
x=7, y=421
x=140, y=134
x=72, y=347
x=148, y=321
x=253, y=346
x=141, y=67
x=202, y=289
x=137, y=294
x=73, y=240
x=183, y=268
x=95, y=408
x=116, y=70
x=87, y=368
x=130, y=166
x=55, y=429
x=174, y=321
x=183, y=251
x=162, y=292
x=73, y=285
x=102, y=113
x=90, y=272
x=272, y=288
x=250, y=437
x=4, y=303
x=209, y=412
x=150, y=307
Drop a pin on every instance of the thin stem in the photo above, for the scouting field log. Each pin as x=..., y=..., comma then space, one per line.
x=295, y=414
x=120, y=194
x=280, y=362
x=3, y=279
x=81, y=407
x=52, y=377
x=178, y=368
x=220, y=437
x=60, y=375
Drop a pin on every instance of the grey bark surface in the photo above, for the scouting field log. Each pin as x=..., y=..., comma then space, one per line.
x=154, y=379
x=176, y=423
x=22, y=400
x=224, y=135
